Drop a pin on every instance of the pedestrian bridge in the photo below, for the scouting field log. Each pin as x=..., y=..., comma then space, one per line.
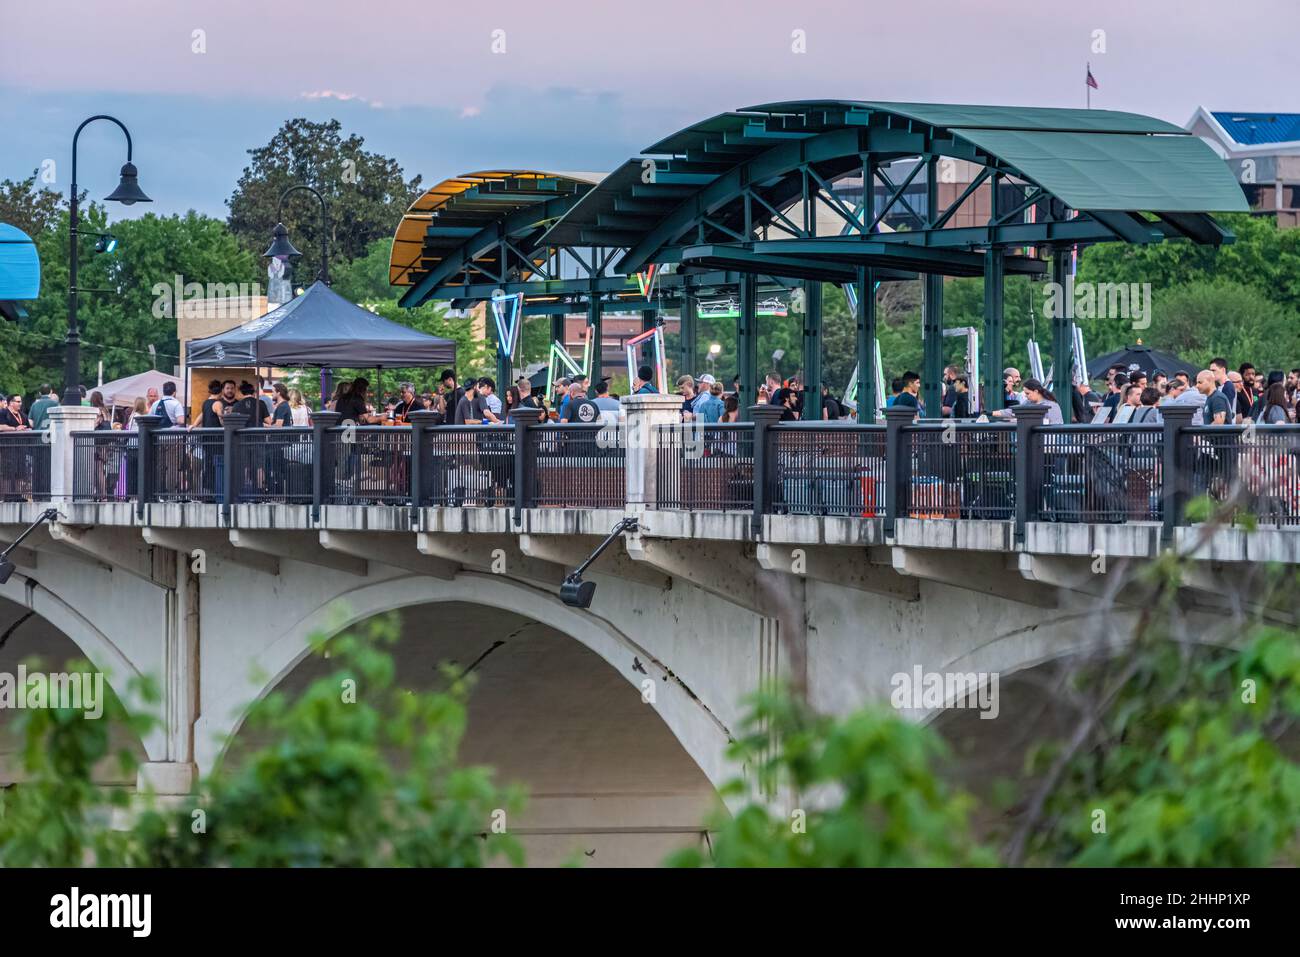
x=829, y=556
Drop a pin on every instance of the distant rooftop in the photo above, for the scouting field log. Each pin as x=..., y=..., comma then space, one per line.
x=1259, y=129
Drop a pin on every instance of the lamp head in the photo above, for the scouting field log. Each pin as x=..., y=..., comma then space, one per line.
x=280, y=245
x=577, y=593
x=128, y=191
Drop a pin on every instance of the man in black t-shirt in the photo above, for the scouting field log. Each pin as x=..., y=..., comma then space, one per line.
x=465, y=405
x=250, y=405
x=281, y=415
x=408, y=403
x=213, y=407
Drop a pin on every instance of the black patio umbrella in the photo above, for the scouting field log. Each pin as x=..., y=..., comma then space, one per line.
x=1140, y=357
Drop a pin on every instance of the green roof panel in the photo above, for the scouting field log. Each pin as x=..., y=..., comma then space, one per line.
x=1118, y=171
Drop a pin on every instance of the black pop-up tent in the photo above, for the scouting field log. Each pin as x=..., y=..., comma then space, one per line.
x=1140, y=357
x=320, y=328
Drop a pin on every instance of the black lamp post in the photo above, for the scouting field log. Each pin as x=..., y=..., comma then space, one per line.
x=280, y=245
x=128, y=193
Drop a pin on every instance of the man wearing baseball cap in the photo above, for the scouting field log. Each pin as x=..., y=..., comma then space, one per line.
x=706, y=406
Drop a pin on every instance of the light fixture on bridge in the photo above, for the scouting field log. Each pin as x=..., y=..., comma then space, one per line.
x=6, y=564
x=578, y=593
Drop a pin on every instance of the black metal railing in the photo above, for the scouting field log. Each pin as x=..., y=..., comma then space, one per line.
x=703, y=466
x=105, y=466
x=959, y=471
x=469, y=465
x=1257, y=469
x=1074, y=473
x=187, y=465
x=24, y=466
x=826, y=469
x=1100, y=474
x=577, y=466
x=275, y=465
x=367, y=465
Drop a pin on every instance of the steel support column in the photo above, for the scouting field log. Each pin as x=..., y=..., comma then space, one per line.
x=993, y=395
x=932, y=334
x=932, y=309
x=866, y=346
x=747, y=342
x=557, y=329
x=812, y=350
x=648, y=319
x=1062, y=347
x=688, y=353
x=597, y=353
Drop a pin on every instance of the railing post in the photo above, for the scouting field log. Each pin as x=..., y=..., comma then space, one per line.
x=144, y=456
x=320, y=422
x=524, y=418
x=420, y=422
x=1029, y=463
x=645, y=413
x=764, y=417
x=898, y=465
x=1173, y=473
x=231, y=423
x=64, y=420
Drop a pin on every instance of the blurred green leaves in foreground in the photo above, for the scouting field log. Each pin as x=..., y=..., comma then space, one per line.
x=358, y=771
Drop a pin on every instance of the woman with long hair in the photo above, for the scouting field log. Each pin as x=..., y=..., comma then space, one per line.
x=341, y=390
x=513, y=400
x=1277, y=411
x=1036, y=392
x=298, y=409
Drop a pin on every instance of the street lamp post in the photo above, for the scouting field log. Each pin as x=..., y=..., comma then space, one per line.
x=280, y=245
x=128, y=193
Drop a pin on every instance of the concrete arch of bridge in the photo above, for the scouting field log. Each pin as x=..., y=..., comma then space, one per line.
x=690, y=722
x=37, y=623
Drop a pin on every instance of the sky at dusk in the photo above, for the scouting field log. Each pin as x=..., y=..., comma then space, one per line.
x=579, y=86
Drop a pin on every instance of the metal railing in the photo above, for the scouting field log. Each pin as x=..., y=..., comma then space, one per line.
x=105, y=466
x=469, y=465
x=275, y=465
x=826, y=469
x=187, y=466
x=366, y=465
x=1092, y=474
x=705, y=466
x=24, y=466
x=960, y=471
x=577, y=466
x=1255, y=468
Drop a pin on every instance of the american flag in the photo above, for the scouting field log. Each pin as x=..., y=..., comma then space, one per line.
x=1092, y=80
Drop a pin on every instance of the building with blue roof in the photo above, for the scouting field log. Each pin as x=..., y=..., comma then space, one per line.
x=1263, y=152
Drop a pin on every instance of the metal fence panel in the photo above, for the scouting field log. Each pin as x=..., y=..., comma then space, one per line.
x=826, y=470
x=105, y=466
x=24, y=466
x=960, y=471
x=578, y=466
x=1101, y=473
x=705, y=466
x=1255, y=467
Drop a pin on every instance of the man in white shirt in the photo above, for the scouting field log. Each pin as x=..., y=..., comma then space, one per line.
x=169, y=407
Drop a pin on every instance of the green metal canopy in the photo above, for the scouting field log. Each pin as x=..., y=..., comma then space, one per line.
x=736, y=195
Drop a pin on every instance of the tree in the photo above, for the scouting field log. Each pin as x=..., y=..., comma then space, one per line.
x=365, y=192
x=357, y=771
x=889, y=807
x=29, y=208
x=116, y=314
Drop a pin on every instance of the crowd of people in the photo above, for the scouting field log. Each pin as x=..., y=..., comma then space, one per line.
x=1220, y=396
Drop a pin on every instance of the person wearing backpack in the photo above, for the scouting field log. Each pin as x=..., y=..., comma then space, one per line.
x=169, y=407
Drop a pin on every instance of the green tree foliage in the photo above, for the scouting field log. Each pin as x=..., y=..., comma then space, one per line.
x=1204, y=319
x=28, y=207
x=117, y=319
x=356, y=771
x=57, y=817
x=888, y=807
x=1179, y=745
x=365, y=191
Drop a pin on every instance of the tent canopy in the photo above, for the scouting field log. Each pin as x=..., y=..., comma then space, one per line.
x=126, y=390
x=1141, y=357
x=320, y=328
